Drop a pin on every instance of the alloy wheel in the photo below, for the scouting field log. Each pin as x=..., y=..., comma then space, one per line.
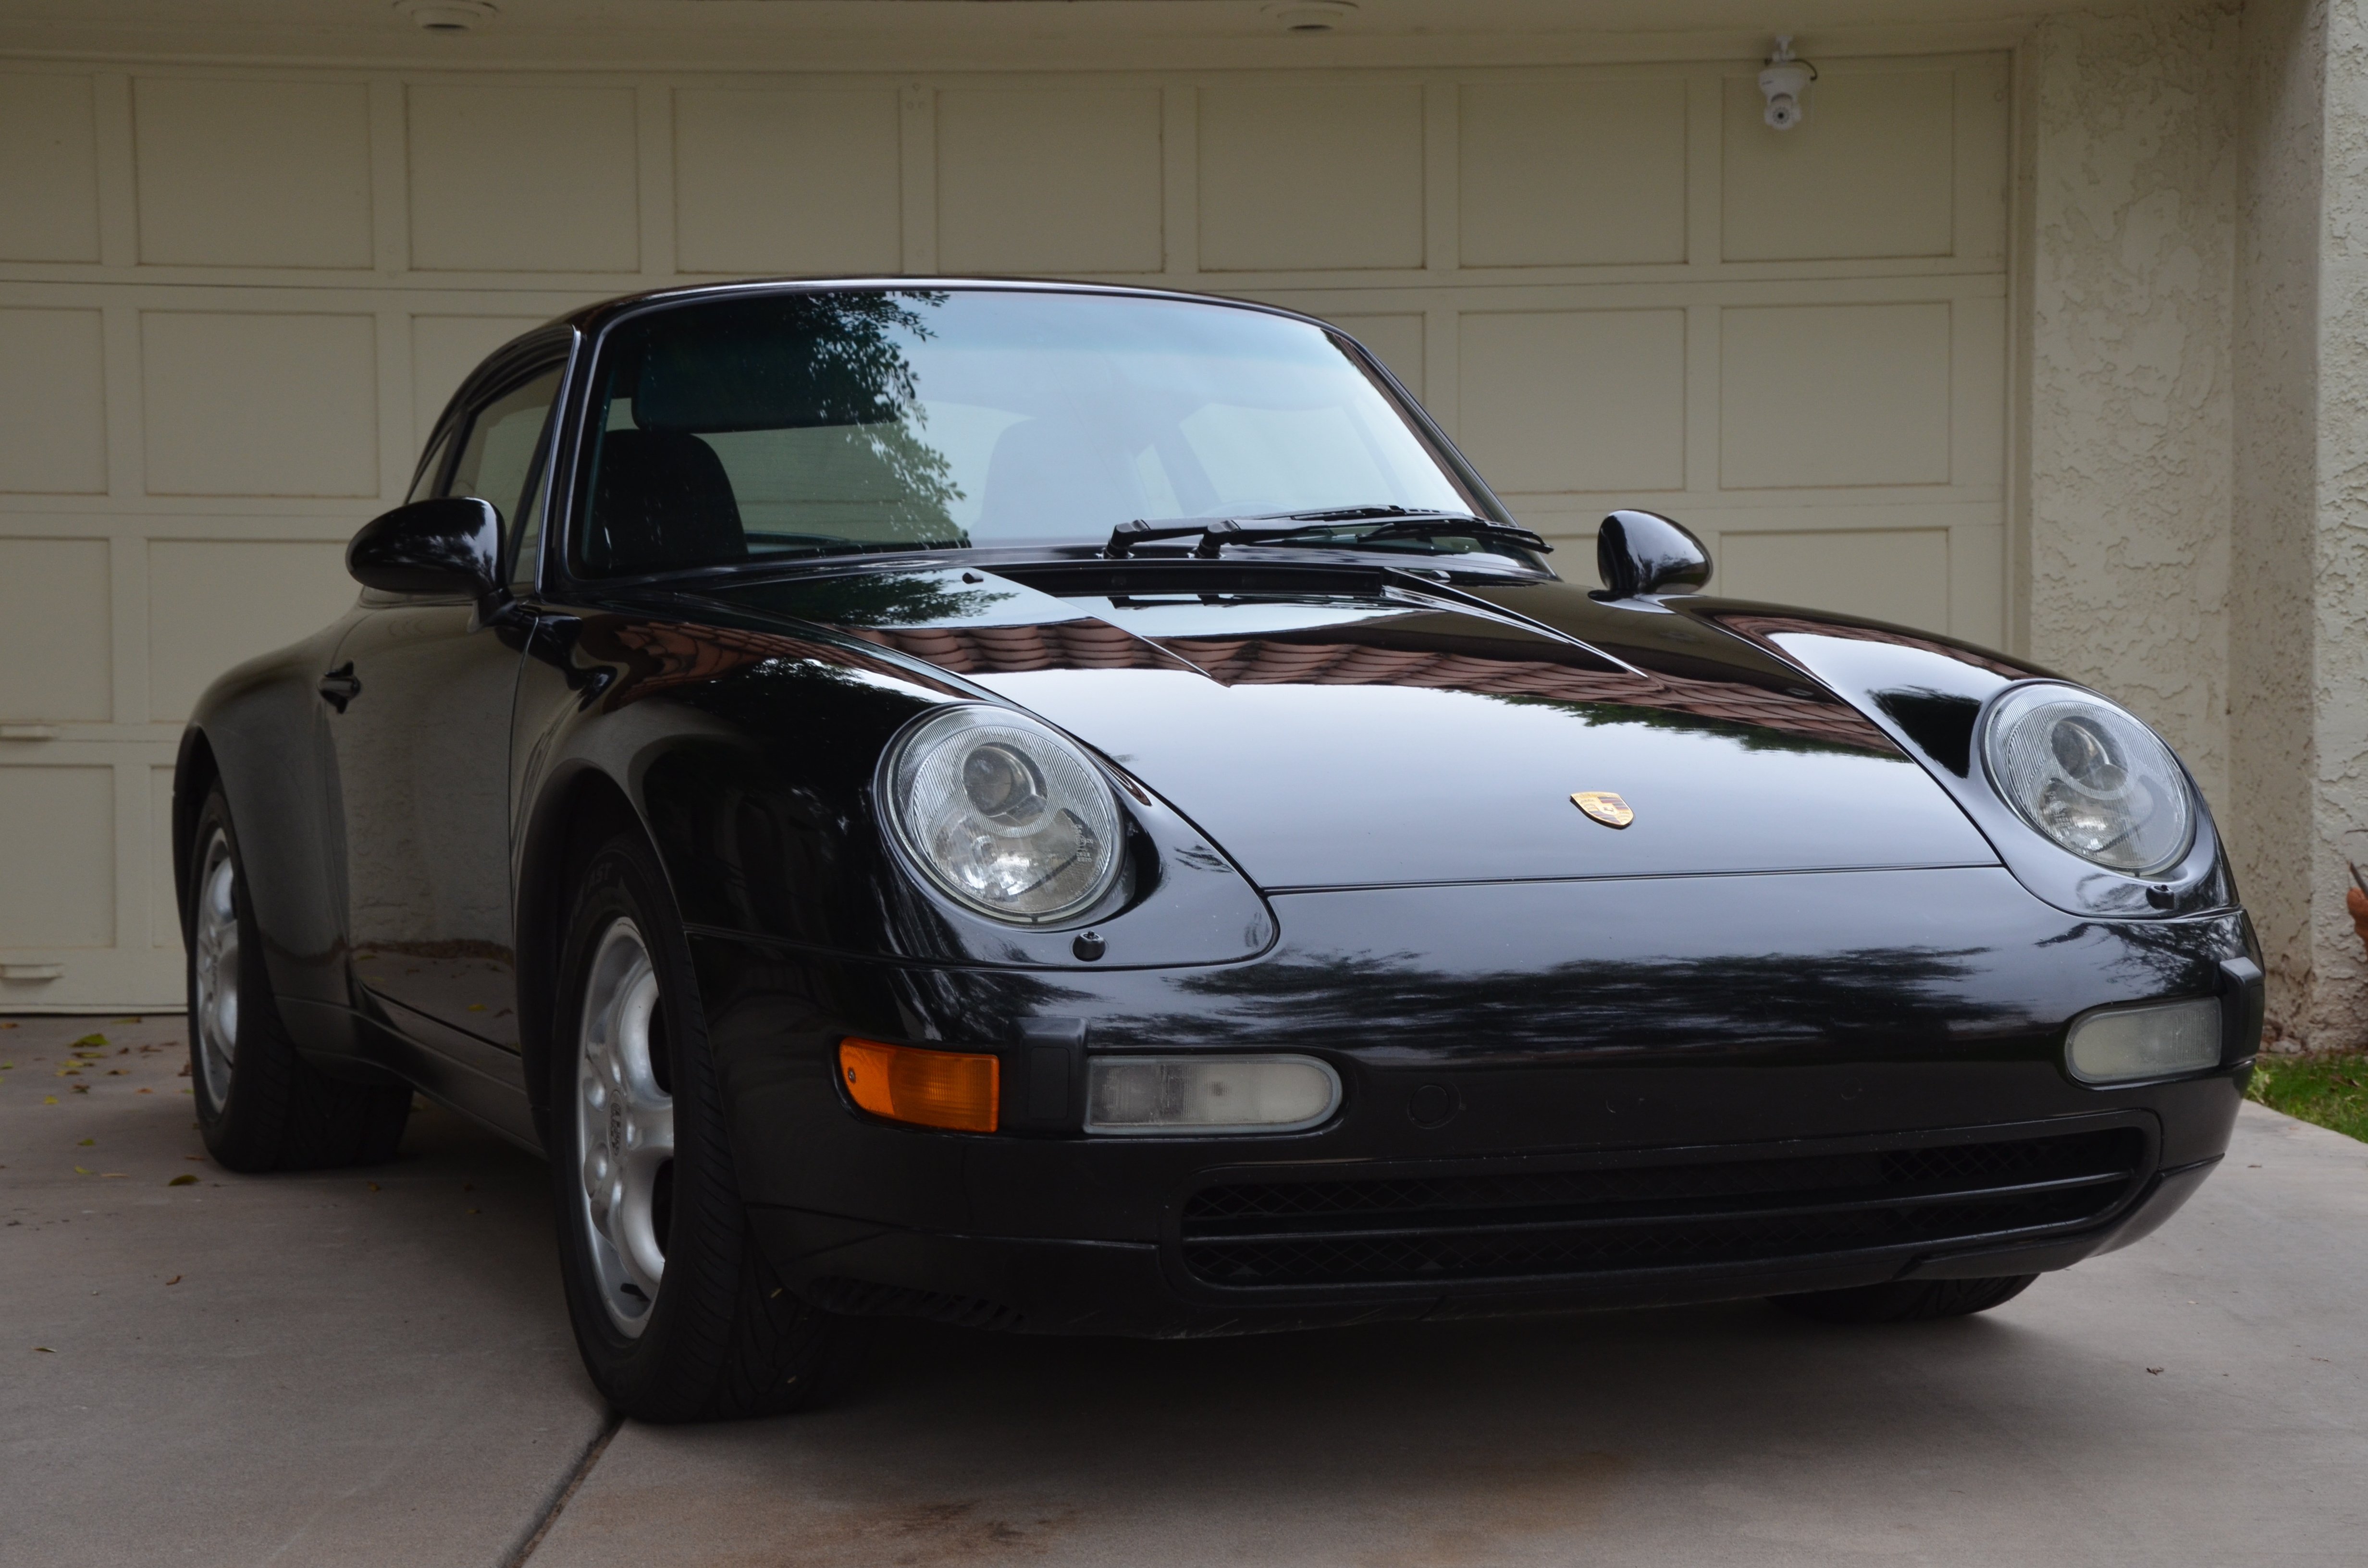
x=624, y=1122
x=216, y=967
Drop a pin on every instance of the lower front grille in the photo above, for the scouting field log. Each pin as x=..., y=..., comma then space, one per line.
x=1526, y=1225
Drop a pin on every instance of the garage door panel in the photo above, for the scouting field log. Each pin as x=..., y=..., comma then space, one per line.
x=1897, y=575
x=49, y=168
x=786, y=182
x=1588, y=170
x=1396, y=340
x=52, y=403
x=444, y=349
x=57, y=856
x=1307, y=176
x=56, y=631
x=254, y=174
x=229, y=600
x=1049, y=180
x=259, y=404
x=517, y=180
x=1574, y=400
x=1822, y=395
x=1869, y=171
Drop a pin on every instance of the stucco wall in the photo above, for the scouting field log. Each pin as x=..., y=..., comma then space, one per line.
x=2130, y=143
x=2334, y=1004
x=2270, y=811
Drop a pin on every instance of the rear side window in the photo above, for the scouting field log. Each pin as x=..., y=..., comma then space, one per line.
x=500, y=460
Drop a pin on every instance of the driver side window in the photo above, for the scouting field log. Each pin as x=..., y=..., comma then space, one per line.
x=500, y=460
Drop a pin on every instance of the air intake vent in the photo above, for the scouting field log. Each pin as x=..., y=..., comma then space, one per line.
x=1482, y=1225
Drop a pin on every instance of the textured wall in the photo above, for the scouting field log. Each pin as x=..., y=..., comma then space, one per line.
x=2334, y=1009
x=2269, y=813
x=2132, y=186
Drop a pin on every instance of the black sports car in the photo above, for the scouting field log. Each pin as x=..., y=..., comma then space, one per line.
x=1074, y=809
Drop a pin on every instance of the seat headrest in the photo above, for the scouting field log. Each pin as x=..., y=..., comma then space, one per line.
x=663, y=501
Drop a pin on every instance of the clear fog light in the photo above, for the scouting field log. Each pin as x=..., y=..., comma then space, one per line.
x=1209, y=1094
x=2145, y=1042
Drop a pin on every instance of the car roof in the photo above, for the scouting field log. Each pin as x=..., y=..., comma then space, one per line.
x=590, y=318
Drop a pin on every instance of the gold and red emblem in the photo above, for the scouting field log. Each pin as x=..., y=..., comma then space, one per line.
x=1604, y=807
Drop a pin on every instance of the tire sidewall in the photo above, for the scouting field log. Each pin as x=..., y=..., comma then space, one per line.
x=666, y=1366
x=215, y=1119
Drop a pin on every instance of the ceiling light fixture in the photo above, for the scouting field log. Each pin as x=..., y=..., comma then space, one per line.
x=1311, y=16
x=448, y=15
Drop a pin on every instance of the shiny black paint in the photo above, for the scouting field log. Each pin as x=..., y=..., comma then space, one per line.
x=448, y=545
x=1347, y=785
x=1640, y=553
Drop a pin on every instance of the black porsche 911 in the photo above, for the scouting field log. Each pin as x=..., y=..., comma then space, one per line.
x=1073, y=810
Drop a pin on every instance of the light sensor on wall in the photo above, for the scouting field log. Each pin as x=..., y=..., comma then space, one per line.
x=1785, y=84
x=1311, y=16
x=448, y=15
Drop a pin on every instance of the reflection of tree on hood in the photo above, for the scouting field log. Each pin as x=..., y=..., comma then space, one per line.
x=809, y=361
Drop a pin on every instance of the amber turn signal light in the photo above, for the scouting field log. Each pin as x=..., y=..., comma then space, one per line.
x=927, y=1089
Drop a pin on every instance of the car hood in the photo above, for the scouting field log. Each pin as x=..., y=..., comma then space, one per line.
x=1360, y=730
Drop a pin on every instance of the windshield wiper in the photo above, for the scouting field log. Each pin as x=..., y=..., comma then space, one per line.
x=1284, y=528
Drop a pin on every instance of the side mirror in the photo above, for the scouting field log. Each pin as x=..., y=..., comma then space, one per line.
x=1644, y=552
x=450, y=546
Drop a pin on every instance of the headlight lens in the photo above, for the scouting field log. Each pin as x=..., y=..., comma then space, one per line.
x=1209, y=1094
x=1007, y=816
x=2089, y=777
x=2122, y=1043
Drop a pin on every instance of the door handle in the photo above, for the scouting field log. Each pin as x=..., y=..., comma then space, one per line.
x=339, y=687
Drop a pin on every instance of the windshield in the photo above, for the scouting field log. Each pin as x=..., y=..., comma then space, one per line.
x=876, y=419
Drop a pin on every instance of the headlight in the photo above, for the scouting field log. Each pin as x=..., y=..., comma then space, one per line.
x=2119, y=1043
x=1004, y=814
x=2089, y=777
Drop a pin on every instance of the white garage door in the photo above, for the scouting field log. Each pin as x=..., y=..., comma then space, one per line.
x=230, y=303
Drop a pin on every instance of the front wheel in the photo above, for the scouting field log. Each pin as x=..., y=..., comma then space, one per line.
x=1906, y=1301
x=676, y=1313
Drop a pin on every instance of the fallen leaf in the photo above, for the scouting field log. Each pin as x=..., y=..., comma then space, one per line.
x=85, y=1142
x=44, y=1349
x=468, y=1186
x=200, y=1158
x=373, y=1186
x=476, y=1210
x=184, y=1072
x=92, y=1039
x=184, y=1180
x=476, y=1006
x=2154, y=1371
x=48, y=1099
x=82, y=1088
x=176, y=1279
x=104, y=1174
x=130, y=1021
x=143, y=1091
x=7, y=1026
x=117, y=1073
x=79, y=1171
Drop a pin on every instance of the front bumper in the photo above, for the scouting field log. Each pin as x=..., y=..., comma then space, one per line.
x=1683, y=1090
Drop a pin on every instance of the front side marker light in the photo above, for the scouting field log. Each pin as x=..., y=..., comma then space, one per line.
x=1140, y=1094
x=2119, y=1044
x=925, y=1088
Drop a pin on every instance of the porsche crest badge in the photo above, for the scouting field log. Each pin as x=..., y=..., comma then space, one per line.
x=1604, y=807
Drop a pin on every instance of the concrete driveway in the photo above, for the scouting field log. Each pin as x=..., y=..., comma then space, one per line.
x=350, y=1374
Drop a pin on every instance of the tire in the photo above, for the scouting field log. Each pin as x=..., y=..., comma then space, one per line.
x=676, y=1310
x=261, y=1106
x=1906, y=1301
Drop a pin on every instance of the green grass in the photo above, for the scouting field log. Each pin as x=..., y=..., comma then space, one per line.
x=2330, y=1090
